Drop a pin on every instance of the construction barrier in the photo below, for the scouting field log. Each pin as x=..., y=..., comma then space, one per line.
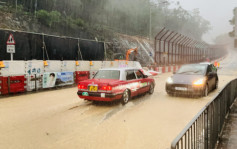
x=169, y=68
x=68, y=66
x=17, y=84
x=21, y=76
x=83, y=66
x=3, y=85
x=34, y=82
x=53, y=66
x=81, y=75
x=12, y=84
x=54, y=79
x=13, y=68
x=110, y=64
x=166, y=69
x=34, y=67
x=174, y=69
x=95, y=65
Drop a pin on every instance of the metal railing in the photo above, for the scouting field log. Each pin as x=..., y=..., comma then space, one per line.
x=205, y=128
x=173, y=48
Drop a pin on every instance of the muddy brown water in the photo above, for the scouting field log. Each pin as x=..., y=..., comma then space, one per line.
x=59, y=119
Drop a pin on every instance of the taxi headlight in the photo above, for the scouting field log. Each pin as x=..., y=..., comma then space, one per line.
x=199, y=82
x=169, y=80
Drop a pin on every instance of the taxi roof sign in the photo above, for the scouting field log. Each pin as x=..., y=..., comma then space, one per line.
x=11, y=40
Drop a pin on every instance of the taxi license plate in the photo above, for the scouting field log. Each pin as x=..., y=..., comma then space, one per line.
x=181, y=88
x=85, y=94
x=93, y=88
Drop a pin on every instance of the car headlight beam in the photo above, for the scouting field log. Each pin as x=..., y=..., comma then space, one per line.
x=169, y=80
x=199, y=82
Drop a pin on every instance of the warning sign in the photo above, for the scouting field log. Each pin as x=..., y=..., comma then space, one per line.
x=10, y=48
x=11, y=44
x=11, y=40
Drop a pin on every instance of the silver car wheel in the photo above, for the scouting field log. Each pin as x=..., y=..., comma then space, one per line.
x=217, y=83
x=206, y=91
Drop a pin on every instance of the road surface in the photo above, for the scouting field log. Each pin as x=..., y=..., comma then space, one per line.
x=59, y=119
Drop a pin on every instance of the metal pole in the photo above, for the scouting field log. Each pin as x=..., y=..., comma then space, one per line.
x=16, y=5
x=9, y=84
x=235, y=11
x=160, y=45
x=155, y=50
x=150, y=24
x=181, y=48
x=168, y=52
x=159, y=52
x=11, y=56
x=105, y=52
x=172, y=47
x=43, y=46
x=186, y=50
x=177, y=50
x=156, y=46
x=36, y=3
x=36, y=82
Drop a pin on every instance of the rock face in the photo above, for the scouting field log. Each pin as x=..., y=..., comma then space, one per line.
x=145, y=48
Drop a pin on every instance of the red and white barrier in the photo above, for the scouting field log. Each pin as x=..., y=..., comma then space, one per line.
x=21, y=76
x=166, y=69
x=12, y=84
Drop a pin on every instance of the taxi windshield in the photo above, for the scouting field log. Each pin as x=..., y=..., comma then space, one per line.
x=192, y=69
x=107, y=74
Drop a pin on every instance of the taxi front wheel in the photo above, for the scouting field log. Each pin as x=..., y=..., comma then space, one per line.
x=151, y=90
x=125, y=97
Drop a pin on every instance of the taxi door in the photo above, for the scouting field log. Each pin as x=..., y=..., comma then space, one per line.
x=132, y=82
x=143, y=82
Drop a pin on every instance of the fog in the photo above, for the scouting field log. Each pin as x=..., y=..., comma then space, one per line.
x=218, y=12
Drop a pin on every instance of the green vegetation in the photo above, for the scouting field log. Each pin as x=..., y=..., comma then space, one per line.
x=49, y=18
x=125, y=16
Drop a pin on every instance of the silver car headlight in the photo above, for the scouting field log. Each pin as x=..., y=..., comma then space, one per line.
x=169, y=80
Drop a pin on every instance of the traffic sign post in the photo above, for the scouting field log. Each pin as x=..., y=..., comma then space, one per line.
x=11, y=45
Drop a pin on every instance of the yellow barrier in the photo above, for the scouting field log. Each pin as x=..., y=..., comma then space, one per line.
x=46, y=63
x=2, y=64
x=77, y=63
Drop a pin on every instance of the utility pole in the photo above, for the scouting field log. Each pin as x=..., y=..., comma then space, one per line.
x=150, y=24
x=235, y=42
x=16, y=5
x=36, y=4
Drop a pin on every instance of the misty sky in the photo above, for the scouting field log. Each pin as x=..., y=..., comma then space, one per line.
x=218, y=12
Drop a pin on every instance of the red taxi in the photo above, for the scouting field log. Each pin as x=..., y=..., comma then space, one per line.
x=115, y=84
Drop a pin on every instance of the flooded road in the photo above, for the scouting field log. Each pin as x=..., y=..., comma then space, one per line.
x=59, y=119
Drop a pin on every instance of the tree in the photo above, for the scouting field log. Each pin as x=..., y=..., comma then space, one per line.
x=125, y=16
x=232, y=22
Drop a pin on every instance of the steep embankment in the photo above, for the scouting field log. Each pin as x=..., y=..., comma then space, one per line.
x=120, y=43
x=9, y=20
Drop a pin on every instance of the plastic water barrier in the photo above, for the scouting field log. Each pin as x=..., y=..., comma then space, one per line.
x=21, y=76
x=12, y=84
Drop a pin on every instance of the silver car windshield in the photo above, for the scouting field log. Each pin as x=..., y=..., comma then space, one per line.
x=192, y=69
x=107, y=74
